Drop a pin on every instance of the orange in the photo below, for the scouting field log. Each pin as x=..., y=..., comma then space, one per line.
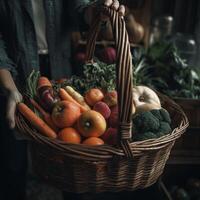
x=65, y=114
x=91, y=124
x=93, y=141
x=69, y=135
x=93, y=95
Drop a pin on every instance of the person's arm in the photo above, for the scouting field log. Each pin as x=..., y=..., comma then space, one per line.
x=5, y=61
x=7, y=70
x=12, y=94
x=8, y=86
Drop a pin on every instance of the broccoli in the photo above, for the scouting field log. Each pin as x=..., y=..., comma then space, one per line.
x=151, y=124
x=164, y=128
x=145, y=121
x=157, y=114
x=165, y=116
x=161, y=114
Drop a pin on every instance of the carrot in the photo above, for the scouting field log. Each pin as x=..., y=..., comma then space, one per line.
x=37, y=122
x=45, y=115
x=43, y=82
x=65, y=96
x=78, y=97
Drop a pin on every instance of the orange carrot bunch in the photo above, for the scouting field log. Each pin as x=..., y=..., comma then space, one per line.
x=35, y=121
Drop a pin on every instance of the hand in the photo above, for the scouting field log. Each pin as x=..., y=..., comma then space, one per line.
x=13, y=97
x=114, y=4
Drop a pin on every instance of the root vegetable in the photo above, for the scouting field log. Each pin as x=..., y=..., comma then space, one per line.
x=78, y=97
x=45, y=115
x=35, y=121
x=65, y=96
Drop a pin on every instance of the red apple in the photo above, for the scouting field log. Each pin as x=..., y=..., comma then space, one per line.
x=108, y=55
x=114, y=109
x=110, y=98
x=80, y=57
x=110, y=136
x=113, y=119
x=102, y=108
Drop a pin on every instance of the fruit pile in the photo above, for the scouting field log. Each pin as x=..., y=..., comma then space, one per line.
x=59, y=111
x=68, y=116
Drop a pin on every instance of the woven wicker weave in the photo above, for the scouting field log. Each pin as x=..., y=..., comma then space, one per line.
x=131, y=165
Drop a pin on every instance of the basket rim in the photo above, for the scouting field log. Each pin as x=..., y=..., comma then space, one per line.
x=106, y=151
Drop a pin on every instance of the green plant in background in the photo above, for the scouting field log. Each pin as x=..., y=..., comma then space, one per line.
x=161, y=68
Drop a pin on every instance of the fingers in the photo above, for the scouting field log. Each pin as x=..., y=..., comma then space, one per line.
x=114, y=4
x=121, y=10
x=14, y=98
x=108, y=3
x=10, y=115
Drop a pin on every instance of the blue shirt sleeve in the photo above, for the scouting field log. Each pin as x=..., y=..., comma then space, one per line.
x=5, y=61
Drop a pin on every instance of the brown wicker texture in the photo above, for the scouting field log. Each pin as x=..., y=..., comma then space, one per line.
x=131, y=165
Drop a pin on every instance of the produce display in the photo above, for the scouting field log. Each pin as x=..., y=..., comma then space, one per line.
x=77, y=112
x=160, y=66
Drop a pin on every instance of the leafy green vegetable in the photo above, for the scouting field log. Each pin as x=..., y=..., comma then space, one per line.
x=31, y=84
x=146, y=121
x=95, y=75
x=164, y=128
x=31, y=88
x=151, y=124
x=161, y=68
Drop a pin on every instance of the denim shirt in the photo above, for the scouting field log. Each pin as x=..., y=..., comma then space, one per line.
x=18, y=45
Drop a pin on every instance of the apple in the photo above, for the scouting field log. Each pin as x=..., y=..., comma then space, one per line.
x=110, y=98
x=108, y=55
x=113, y=119
x=93, y=96
x=110, y=136
x=102, y=108
x=65, y=114
x=91, y=124
x=80, y=57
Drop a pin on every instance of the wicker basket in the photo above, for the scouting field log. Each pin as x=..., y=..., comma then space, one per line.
x=131, y=165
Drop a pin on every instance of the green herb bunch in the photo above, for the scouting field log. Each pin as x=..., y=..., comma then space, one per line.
x=95, y=75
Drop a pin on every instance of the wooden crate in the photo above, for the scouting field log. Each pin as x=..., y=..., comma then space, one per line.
x=192, y=110
x=186, y=150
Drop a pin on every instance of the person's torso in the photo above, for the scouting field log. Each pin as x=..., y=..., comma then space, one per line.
x=20, y=37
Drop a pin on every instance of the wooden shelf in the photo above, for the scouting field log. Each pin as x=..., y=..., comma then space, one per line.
x=106, y=43
x=184, y=157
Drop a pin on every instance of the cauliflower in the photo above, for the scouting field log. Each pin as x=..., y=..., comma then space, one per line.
x=151, y=124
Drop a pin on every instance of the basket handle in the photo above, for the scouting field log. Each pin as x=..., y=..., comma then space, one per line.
x=123, y=73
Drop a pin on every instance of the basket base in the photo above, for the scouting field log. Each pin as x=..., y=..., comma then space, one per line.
x=113, y=175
